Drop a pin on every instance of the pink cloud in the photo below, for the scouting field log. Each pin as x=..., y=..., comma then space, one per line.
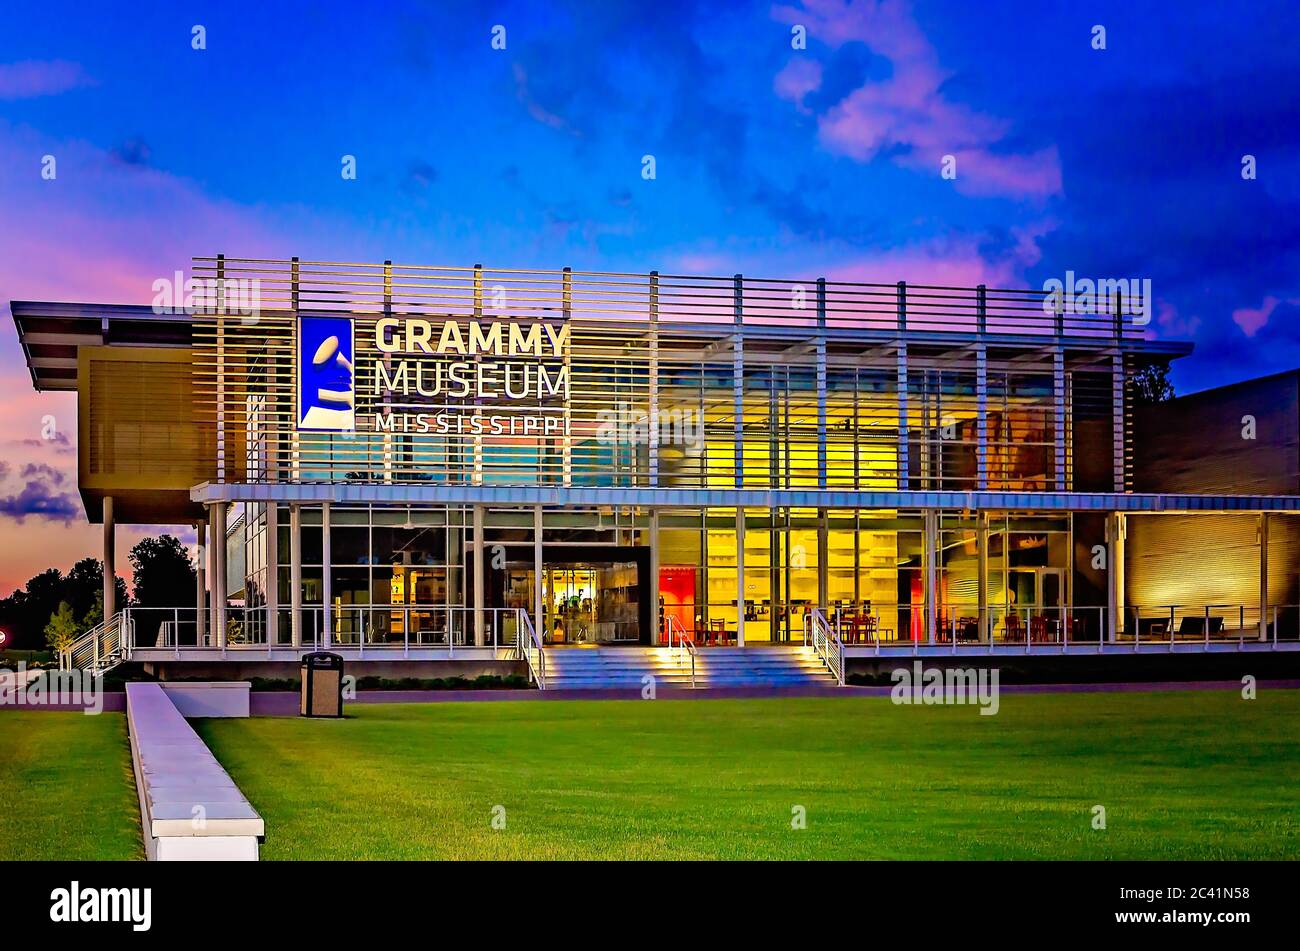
x=955, y=261
x=100, y=231
x=800, y=77
x=1252, y=319
x=1173, y=324
x=535, y=109
x=907, y=115
x=32, y=78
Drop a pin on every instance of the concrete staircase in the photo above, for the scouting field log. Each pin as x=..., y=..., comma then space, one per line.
x=605, y=668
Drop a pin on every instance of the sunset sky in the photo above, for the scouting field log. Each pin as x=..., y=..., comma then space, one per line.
x=772, y=161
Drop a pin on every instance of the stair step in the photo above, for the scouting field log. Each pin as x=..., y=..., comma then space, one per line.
x=626, y=667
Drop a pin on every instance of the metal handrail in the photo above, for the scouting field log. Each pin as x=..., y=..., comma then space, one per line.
x=526, y=648
x=103, y=646
x=685, y=645
x=825, y=641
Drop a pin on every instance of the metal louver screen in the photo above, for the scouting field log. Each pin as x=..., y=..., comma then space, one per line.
x=141, y=420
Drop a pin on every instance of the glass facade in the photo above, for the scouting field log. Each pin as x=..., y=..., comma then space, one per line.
x=404, y=574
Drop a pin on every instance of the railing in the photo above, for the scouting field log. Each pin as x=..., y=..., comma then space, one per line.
x=684, y=647
x=825, y=641
x=1058, y=628
x=380, y=627
x=528, y=645
x=605, y=298
x=101, y=647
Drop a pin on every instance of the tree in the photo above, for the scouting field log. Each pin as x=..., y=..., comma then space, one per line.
x=1151, y=384
x=25, y=612
x=95, y=616
x=83, y=588
x=161, y=572
x=61, y=630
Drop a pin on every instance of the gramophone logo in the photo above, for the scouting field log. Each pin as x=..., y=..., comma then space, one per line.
x=326, y=381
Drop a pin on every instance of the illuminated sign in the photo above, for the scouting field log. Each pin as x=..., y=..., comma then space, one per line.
x=326, y=378
x=517, y=366
x=481, y=378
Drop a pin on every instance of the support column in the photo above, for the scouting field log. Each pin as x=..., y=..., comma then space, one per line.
x=1117, y=422
x=981, y=417
x=539, y=615
x=738, y=379
x=656, y=632
x=295, y=574
x=1115, y=534
x=567, y=311
x=653, y=447
x=821, y=386
x=200, y=583
x=903, y=461
x=326, y=585
x=1060, y=466
x=480, y=633
x=982, y=577
x=110, y=569
x=930, y=545
x=823, y=570
x=740, y=577
x=1263, y=576
x=272, y=592
x=981, y=392
x=217, y=545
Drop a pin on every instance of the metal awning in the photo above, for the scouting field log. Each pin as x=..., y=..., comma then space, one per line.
x=345, y=493
x=51, y=332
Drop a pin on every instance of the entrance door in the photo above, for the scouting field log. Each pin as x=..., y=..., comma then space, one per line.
x=587, y=604
x=591, y=594
x=1041, y=590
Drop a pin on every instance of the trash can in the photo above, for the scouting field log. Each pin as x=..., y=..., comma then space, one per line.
x=322, y=685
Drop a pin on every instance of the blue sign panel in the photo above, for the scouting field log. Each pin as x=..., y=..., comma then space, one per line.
x=326, y=379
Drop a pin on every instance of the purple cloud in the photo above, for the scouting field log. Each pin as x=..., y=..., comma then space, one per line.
x=37, y=499
x=39, y=470
x=907, y=117
x=31, y=78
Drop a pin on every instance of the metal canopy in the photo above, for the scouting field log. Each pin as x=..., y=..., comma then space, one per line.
x=359, y=493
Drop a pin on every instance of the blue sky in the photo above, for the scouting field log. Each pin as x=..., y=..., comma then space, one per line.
x=770, y=160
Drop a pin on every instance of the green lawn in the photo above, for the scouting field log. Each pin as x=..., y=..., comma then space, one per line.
x=66, y=788
x=1181, y=775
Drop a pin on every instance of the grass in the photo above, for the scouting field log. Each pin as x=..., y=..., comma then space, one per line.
x=66, y=788
x=1187, y=775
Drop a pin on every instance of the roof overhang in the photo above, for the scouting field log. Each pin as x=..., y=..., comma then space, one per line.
x=348, y=493
x=51, y=332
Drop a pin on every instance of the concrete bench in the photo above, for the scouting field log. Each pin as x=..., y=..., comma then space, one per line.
x=190, y=808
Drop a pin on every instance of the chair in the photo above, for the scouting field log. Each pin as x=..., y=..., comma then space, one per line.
x=1038, y=632
x=1195, y=626
x=1013, y=628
